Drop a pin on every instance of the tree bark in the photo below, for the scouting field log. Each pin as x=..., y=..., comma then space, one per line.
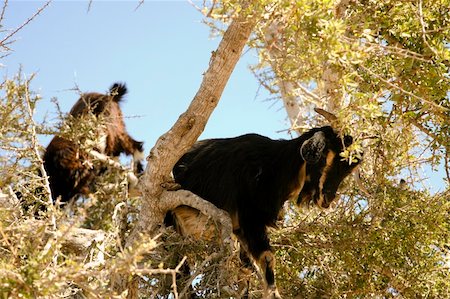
x=174, y=143
x=291, y=100
x=297, y=100
x=330, y=88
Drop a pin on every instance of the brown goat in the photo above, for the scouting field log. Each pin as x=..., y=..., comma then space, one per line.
x=70, y=173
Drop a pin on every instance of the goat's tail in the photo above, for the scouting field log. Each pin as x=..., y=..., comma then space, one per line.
x=117, y=91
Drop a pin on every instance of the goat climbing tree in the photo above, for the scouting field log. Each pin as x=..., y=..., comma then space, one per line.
x=384, y=64
x=156, y=201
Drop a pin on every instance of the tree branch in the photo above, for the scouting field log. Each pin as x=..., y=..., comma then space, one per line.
x=4, y=41
x=172, y=199
x=190, y=124
x=132, y=179
x=174, y=143
x=79, y=240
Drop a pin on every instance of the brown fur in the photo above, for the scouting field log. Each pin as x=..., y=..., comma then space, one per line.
x=69, y=170
x=191, y=222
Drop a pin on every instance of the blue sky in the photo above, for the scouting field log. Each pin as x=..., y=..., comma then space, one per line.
x=160, y=50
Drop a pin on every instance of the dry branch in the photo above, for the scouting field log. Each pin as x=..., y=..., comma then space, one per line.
x=132, y=179
x=172, y=199
x=6, y=39
x=174, y=143
x=80, y=240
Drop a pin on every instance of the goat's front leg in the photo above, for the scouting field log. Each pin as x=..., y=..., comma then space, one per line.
x=135, y=148
x=256, y=243
x=138, y=156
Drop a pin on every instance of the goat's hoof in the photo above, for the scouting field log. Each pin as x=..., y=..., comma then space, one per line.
x=272, y=293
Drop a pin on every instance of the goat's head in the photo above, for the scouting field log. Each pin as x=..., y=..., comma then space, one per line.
x=325, y=167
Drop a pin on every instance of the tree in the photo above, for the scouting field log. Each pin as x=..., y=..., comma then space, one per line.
x=381, y=66
x=187, y=129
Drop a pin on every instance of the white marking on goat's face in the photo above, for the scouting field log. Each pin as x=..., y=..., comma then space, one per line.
x=101, y=145
x=328, y=162
x=301, y=182
x=317, y=175
x=324, y=176
x=138, y=156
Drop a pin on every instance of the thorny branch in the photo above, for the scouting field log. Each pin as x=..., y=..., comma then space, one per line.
x=2, y=15
x=403, y=90
x=424, y=34
x=172, y=272
x=197, y=272
x=35, y=148
x=5, y=41
x=370, y=46
x=132, y=179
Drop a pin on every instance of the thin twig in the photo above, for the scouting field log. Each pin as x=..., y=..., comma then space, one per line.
x=139, y=5
x=391, y=49
x=174, y=277
x=403, y=90
x=208, y=15
x=2, y=15
x=35, y=147
x=437, y=29
x=447, y=166
x=423, y=129
x=172, y=272
x=198, y=271
x=132, y=179
x=4, y=40
x=424, y=34
x=89, y=6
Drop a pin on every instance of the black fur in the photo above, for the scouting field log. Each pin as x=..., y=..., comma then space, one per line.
x=251, y=176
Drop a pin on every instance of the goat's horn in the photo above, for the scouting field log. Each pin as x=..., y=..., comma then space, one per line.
x=328, y=115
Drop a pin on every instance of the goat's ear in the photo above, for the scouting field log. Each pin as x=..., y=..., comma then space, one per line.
x=313, y=148
x=348, y=140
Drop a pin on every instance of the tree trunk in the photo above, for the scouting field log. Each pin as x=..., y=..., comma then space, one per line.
x=174, y=143
x=297, y=100
x=291, y=99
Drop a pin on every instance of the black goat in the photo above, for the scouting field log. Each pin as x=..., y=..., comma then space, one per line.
x=251, y=176
x=67, y=166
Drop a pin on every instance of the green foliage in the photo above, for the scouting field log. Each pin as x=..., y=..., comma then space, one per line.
x=384, y=65
x=42, y=251
x=390, y=60
x=393, y=244
x=20, y=151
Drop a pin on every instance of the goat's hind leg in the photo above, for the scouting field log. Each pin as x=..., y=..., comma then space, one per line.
x=266, y=262
x=257, y=245
x=244, y=274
